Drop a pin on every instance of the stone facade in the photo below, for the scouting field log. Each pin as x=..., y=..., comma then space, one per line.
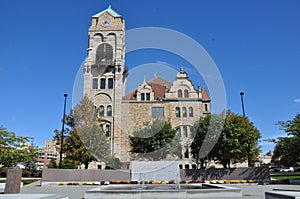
x=104, y=83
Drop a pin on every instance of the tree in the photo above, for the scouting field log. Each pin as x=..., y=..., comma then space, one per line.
x=286, y=151
x=237, y=138
x=155, y=141
x=86, y=141
x=15, y=149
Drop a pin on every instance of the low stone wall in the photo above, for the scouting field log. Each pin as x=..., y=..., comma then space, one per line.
x=253, y=173
x=74, y=175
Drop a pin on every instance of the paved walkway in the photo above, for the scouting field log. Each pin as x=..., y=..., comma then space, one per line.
x=249, y=191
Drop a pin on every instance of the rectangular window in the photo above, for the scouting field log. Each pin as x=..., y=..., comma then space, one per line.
x=95, y=83
x=158, y=112
x=102, y=84
x=110, y=83
x=142, y=96
x=148, y=96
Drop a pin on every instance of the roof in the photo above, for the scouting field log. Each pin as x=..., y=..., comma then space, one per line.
x=110, y=11
x=205, y=96
x=157, y=84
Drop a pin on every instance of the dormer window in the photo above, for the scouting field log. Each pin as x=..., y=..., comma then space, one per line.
x=145, y=96
x=186, y=93
x=179, y=93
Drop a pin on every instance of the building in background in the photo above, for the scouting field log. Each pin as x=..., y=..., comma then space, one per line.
x=105, y=76
x=46, y=154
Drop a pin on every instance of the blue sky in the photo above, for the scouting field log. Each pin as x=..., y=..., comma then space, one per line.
x=255, y=45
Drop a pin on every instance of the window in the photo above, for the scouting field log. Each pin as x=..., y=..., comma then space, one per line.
x=177, y=112
x=186, y=93
x=95, y=83
x=148, y=96
x=179, y=93
x=191, y=112
x=178, y=132
x=142, y=96
x=102, y=83
x=110, y=83
x=184, y=129
x=158, y=112
x=186, y=152
x=205, y=107
x=104, y=55
x=183, y=112
x=95, y=110
x=101, y=112
x=109, y=110
x=107, y=130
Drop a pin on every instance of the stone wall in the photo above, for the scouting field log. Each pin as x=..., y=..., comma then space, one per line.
x=73, y=175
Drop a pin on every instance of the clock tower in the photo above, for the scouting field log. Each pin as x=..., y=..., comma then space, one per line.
x=105, y=72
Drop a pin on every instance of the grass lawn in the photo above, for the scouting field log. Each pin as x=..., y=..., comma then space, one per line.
x=286, y=177
x=25, y=182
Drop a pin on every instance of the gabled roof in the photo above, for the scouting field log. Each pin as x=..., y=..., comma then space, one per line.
x=158, y=85
x=110, y=11
x=205, y=96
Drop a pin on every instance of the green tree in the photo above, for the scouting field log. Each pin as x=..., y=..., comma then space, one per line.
x=237, y=138
x=15, y=149
x=86, y=140
x=286, y=151
x=155, y=141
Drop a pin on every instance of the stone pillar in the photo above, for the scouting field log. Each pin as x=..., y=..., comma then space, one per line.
x=13, y=181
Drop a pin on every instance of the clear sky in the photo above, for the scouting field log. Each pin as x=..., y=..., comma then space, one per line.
x=255, y=45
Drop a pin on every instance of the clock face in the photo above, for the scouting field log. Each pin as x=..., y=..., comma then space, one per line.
x=105, y=22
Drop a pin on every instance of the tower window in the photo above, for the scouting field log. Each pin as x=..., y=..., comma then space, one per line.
x=205, y=107
x=102, y=83
x=158, y=112
x=186, y=152
x=177, y=112
x=104, y=55
x=110, y=83
x=186, y=93
x=101, y=111
x=191, y=112
x=178, y=131
x=109, y=110
x=179, y=93
x=183, y=112
x=107, y=130
x=95, y=83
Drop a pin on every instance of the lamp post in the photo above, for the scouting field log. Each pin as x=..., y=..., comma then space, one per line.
x=62, y=132
x=242, y=99
x=248, y=146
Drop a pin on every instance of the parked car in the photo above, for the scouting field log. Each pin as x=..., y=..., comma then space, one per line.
x=275, y=168
x=287, y=169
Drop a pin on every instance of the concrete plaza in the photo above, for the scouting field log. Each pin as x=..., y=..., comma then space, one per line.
x=249, y=191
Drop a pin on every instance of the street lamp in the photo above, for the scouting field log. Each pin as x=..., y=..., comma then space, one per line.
x=62, y=132
x=242, y=94
x=248, y=147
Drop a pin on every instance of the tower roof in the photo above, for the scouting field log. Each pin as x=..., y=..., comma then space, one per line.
x=205, y=96
x=110, y=11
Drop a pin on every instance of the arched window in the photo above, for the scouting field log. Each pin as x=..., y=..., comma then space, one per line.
x=95, y=83
x=109, y=110
x=101, y=111
x=107, y=130
x=183, y=112
x=110, y=83
x=186, y=93
x=177, y=112
x=104, y=55
x=179, y=93
x=191, y=112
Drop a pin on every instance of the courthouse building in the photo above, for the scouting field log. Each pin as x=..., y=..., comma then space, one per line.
x=105, y=76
